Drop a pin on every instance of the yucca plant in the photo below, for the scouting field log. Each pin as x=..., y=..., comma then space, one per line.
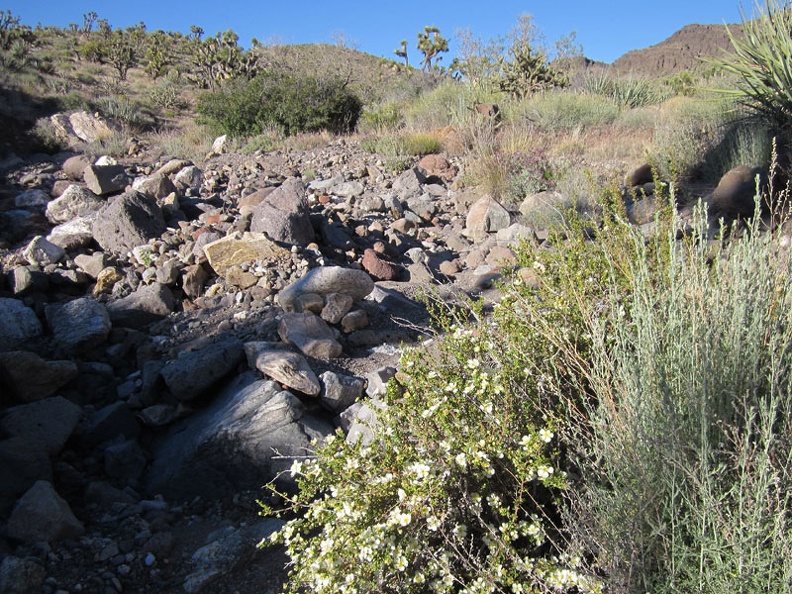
x=760, y=60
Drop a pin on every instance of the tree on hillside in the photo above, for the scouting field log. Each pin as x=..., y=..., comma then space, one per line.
x=431, y=43
x=402, y=52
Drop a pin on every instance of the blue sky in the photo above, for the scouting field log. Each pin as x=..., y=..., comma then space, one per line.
x=606, y=30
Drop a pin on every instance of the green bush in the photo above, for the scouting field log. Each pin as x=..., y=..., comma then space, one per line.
x=292, y=104
x=627, y=92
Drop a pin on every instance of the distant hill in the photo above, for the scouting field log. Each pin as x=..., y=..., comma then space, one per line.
x=684, y=50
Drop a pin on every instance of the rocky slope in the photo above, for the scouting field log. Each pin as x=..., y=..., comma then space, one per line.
x=172, y=336
x=687, y=49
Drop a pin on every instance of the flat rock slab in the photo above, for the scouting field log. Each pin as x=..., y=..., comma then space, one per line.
x=242, y=440
x=242, y=248
x=149, y=304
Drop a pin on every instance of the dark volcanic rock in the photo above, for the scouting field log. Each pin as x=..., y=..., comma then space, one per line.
x=130, y=220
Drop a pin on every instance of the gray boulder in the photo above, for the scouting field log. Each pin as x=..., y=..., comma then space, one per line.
x=194, y=372
x=325, y=280
x=245, y=438
x=284, y=215
x=157, y=185
x=41, y=515
x=105, y=179
x=74, y=166
x=76, y=201
x=149, y=304
x=42, y=252
x=486, y=216
x=73, y=234
x=78, y=326
x=735, y=194
x=286, y=367
x=340, y=391
x=130, y=220
x=31, y=378
x=309, y=333
x=18, y=324
x=44, y=425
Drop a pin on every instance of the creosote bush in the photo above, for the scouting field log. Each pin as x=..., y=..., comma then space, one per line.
x=293, y=104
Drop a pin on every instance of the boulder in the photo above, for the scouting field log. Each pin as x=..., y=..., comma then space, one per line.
x=30, y=378
x=76, y=201
x=284, y=215
x=89, y=127
x=486, y=216
x=325, y=280
x=78, y=326
x=19, y=576
x=189, y=178
x=44, y=425
x=194, y=372
x=42, y=252
x=379, y=268
x=148, y=304
x=309, y=333
x=74, y=234
x=105, y=179
x=242, y=248
x=340, y=391
x=640, y=176
x=408, y=184
x=157, y=186
x=335, y=307
x=109, y=423
x=437, y=166
x=735, y=194
x=130, y=220
x=18, y=324
x=20, y=467
x=242, y=440
x=41, y=515
x=34, y=199
x=286, y=367
x=74, y=166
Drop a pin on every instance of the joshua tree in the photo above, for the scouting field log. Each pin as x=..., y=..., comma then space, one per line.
x=431, y=43
x=402, y=52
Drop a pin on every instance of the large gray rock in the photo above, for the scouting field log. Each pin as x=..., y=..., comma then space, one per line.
x=89, y=127
x=194, y=372
x=130, y=220
x=284, y=215
x=286, y=367
x=340, y=391
x=18, y=324
x=244, y=439
x=44, y=425
x=149, y=304
x=20, y=467
x=76, y=201
x=74, y=166
x=31, y=378
x=324, y=281
x=41, y=515
x=105, y=179
x=78, y=326
x=309, y=333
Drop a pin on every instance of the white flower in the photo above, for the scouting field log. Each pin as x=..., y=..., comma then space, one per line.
x=296, y=468
x=401, y=563
x=546, y=435
x=461, y=459
x=419, y=578
x=525, y=441
x=433, y=523
x=420, y=470
x=544, y=472
x=460, y=531
x=399, y=518
x=473, y=363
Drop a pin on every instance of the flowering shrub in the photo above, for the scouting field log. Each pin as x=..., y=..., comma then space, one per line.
x=457, y=492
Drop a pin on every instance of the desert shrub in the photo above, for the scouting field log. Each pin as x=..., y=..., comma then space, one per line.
x=567, y=110
x=404, y=144
x=626, y=91
x=380, y=118
x=45, y=137
x=125, y=112
x=685, y=456
x=167, y=96
x=193, y=142
x=293, y=104
x=441, y=107
x=510, y=177
x=456, y=492
x=760, y=60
